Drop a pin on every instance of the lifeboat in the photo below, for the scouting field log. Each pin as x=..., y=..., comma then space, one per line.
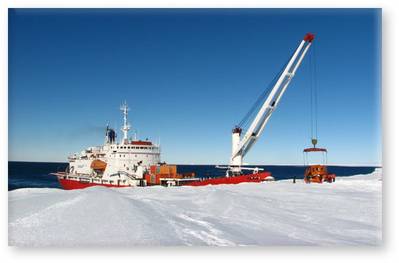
x=98, y=165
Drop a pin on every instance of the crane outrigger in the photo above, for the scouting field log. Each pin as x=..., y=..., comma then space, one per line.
x=242, y=145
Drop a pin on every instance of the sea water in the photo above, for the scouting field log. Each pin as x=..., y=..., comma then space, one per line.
x=36, y=174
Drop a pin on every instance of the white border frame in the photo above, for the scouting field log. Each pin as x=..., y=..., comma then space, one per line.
x=390, y=109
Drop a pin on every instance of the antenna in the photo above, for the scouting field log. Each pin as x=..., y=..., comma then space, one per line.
x=106, y=133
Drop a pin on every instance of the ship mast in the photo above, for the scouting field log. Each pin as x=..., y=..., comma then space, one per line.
x=126, y=126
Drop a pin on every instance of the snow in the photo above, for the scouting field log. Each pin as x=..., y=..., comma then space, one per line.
x=347, y=212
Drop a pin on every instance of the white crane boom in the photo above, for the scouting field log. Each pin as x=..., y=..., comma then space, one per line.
x=240, y=146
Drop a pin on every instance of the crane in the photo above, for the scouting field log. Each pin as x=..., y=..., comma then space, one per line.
x=242, y=145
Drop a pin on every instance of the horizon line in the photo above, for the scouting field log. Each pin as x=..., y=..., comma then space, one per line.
x=270, y=164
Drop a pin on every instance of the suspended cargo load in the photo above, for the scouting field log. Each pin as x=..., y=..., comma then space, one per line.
x=317, y=172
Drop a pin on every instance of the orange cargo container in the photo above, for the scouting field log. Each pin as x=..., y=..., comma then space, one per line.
x=162, y=171
x=172, y=169
x=166, y=169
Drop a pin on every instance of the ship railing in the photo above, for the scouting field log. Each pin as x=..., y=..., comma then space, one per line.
x=119, y=173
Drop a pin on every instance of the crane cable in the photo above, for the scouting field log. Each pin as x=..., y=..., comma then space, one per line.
x=245, y=120
x=313, y=97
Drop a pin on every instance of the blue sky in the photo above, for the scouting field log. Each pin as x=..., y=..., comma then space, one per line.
x=189, y=76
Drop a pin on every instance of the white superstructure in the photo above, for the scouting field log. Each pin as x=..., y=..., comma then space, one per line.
x=126, y=160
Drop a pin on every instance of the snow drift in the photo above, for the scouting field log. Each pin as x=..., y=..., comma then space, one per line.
x=348, y=212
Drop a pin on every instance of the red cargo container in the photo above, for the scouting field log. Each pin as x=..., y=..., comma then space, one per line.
x=152, y=179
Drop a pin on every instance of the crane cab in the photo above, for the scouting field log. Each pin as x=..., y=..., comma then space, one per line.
x=317, y=173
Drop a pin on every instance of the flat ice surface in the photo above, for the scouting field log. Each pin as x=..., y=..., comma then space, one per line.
x=347, y=212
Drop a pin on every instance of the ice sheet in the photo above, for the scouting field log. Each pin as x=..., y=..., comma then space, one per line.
x=347, y=212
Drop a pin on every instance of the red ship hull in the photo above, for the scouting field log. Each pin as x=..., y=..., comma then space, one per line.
x=246, y=178
x=69, y=184
x=72, y=185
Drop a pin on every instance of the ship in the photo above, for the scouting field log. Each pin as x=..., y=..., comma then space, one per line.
x=114, y=164
x=133, y=163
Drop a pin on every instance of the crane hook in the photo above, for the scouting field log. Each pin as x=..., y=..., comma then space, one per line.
x=314, y=142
